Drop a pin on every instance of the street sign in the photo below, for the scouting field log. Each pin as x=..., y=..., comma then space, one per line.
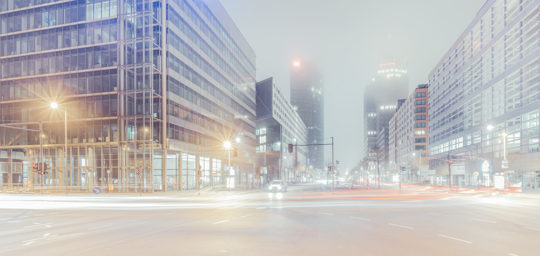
x=504, y=164
x=96, y=190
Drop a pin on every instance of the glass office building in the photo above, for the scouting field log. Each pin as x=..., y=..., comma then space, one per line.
x=485, y=98
x=307, y=98
x=278, y=125
x=147, y=91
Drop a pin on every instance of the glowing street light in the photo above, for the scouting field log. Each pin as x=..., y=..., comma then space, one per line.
x=54, y=105
x=490, y=127
x=227, y=145
x=297, y=63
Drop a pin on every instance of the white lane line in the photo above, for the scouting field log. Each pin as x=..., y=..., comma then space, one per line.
x=533, y=229
x=260, y=208
x=31, y=241
x=359, y=218
x=245, y=216
x=456, y=239
x=327, y=213
x=484, y=221
x=221, y=221
x=512, y=254
x=400, y=226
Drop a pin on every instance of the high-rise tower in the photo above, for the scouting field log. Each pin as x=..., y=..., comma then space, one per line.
x=380, y=103
x=307, y=96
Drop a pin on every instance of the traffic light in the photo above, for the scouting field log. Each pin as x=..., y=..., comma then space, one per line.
x=291, y=148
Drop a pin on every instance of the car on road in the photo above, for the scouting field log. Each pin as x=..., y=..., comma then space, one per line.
x=277, y=186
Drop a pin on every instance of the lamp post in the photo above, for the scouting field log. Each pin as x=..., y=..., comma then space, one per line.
x=490, y=128
x=55, y=106
x=227, y=145
x=419, y=163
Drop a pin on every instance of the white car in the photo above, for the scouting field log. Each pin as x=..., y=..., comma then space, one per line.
x=277, y=186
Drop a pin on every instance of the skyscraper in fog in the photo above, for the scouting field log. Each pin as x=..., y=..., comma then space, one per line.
x=380, y=103
x=307, y=96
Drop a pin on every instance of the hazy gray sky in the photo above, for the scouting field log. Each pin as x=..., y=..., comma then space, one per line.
x=346, y=39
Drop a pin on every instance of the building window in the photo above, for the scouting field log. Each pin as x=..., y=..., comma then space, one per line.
x=420, y=147
x=420, y=102
x=420, y=117
x=420, y=110
x=420, y=125
x=420, y=95
x=420, y=140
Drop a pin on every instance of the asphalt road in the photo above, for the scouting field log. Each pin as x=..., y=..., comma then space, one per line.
x=299, y=222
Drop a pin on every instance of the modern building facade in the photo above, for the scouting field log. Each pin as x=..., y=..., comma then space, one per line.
x=380, y=104
x=278, y=125
x=409, y=132
x=307, y=97
x=149, y=89
x=485, y=98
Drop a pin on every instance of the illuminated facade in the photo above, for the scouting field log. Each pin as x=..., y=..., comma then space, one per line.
x=380, y=104
x=278, y=125
x=485, y=97
x=409, y=133
x=151, y=89
x=307, y=96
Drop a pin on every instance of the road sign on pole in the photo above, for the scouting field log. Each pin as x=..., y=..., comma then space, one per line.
x=96, y=190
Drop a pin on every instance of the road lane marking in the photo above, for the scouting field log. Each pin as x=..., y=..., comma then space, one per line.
x=360, y=218
x=456, y=239
x=326, y=213
x=221, y=221
x=484, y=221
x=31, y=241
x=512, y=254
x=533, y=229
x=245, y=216
x=400, y=226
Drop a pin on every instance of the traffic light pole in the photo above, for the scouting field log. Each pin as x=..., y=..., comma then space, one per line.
x=40, y=145
x=319, y=144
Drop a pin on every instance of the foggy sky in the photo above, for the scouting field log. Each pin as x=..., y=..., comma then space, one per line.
x=346, y=39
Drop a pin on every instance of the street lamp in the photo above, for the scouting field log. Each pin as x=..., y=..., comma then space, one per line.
x=227, y=145
x=419, y=160
x=55, y=106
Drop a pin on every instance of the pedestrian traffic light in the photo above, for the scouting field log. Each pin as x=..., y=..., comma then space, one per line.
x=291, y=148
